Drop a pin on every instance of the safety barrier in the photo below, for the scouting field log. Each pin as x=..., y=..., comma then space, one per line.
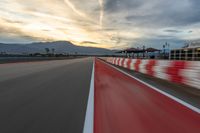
x=184, y=72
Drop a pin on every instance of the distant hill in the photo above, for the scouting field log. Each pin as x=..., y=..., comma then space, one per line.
x=59, y=46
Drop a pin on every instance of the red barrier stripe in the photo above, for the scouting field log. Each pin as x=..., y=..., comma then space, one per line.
x=129, y=64
x=118, y=61
x=123, y=59
x=114, y=60
x=149, y=67
x=174, y=71
x=138, y=61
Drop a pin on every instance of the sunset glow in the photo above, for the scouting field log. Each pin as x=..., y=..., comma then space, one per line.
x=101, y=23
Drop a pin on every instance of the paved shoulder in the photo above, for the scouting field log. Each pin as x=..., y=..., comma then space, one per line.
x=125, y=105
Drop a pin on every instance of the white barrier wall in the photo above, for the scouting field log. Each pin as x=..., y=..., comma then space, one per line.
x=184, y=72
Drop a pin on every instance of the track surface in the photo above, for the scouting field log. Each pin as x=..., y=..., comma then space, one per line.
x=51, y=97
x=124, y=105
x=44, y=97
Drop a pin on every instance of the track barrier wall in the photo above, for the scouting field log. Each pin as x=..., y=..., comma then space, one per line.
x=182, y=72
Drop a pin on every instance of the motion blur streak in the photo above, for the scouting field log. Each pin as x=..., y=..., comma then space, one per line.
x=124, y=105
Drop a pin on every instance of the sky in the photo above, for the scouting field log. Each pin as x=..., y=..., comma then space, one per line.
x=113, y=24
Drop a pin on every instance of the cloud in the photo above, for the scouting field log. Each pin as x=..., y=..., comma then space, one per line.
x=155, y=13
x=119, y=5
x=173, y=31
x=88, y=42
x=103, y=23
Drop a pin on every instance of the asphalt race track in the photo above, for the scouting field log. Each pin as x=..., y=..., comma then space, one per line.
x=44, y=97
x=87, y=95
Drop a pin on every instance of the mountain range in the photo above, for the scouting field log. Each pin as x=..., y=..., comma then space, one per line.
x=59, y=46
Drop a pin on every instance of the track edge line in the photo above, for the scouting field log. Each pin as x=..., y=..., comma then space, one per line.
x=89, y=117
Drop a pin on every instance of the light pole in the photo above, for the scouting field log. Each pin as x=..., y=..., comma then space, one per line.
x=143, y=51
x=164, y=51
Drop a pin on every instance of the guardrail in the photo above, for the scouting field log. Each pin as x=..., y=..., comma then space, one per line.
x=183, y=72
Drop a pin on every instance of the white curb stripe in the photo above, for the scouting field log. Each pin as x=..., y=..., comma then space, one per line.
x=89, y=118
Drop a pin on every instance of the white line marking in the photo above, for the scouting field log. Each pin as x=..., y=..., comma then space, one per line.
x=158, y=90
x=89, y=118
